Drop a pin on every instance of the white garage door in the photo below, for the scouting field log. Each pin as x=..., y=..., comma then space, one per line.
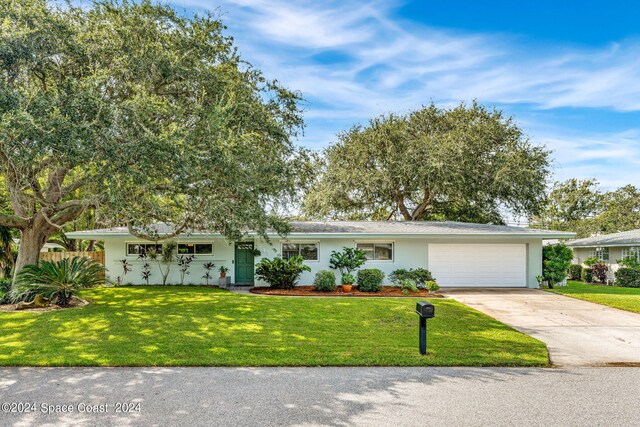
x=479, y=265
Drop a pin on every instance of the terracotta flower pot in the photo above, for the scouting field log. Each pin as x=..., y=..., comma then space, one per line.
x=223, y=274
x=346, y=288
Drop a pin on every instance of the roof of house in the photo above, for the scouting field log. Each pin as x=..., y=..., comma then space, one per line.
x=360, y=228
x=624, y=238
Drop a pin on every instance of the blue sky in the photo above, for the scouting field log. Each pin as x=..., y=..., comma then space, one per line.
x=568, y=71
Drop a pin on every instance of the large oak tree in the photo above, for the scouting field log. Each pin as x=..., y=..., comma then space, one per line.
x=466, y=163
x=140, y=115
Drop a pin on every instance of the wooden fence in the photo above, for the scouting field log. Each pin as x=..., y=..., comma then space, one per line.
x=59, y=256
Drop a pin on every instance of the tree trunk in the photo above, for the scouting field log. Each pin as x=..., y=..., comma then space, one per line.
x=32, y=241
x=91, y=246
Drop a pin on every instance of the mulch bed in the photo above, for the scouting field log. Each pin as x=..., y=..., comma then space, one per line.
x=75, y=302
x=307, y=291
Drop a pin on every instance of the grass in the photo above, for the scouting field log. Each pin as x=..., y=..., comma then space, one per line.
x=613, y=296
x=197, y=326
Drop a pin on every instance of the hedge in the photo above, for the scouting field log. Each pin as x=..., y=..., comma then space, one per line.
x=628, y=277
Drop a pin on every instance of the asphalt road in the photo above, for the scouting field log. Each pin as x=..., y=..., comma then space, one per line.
x=320, y=396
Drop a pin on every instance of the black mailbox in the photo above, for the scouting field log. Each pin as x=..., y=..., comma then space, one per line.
x=425, y=309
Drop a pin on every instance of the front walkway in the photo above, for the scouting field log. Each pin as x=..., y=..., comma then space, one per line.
x=577, y=333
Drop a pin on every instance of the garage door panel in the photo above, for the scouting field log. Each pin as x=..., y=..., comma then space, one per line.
x=482, y=265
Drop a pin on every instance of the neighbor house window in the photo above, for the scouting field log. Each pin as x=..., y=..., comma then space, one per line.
x=143, y=248
x=308, y=251
x=377, y=251
x=600, y=253
x=195, y=248
x=631, y=252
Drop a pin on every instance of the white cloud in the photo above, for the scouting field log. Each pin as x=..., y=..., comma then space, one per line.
x=386, y=64
x=614, y=159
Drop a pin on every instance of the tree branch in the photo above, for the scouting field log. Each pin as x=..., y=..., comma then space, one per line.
x=67, y=189
x=422, y=207
x=402, y=207
x=54, y=184
x=65, y=215
x=9, y=220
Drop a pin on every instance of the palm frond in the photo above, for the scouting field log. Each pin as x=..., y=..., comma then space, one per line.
x=61, y=280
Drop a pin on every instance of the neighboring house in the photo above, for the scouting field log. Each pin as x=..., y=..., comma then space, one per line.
x=48, y=246
x=609, y=247
x=458, y=254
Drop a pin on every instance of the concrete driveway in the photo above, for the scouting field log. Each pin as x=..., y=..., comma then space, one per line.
x=577, y=333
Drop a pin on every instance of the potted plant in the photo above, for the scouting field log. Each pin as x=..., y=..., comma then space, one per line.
x=346, y=262
x=347, y=282
x=223, y=271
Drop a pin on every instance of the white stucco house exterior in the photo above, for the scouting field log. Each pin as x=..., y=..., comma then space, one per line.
x=458, y=254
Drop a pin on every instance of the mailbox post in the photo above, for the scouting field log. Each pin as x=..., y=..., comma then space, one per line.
x=426, y=311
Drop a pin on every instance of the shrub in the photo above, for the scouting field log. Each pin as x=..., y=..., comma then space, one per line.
x=408, y=285
x=431, y=286
x=370, y=280
x=348, y=279
x=600, y=272
x=420, y=276
x=347, y=261
x=587, y=275
x=591, y=261
x=628, y=277
x=58, y=281
x=281, y=273
x=556, y=260
x=325, y=281
x=630, y=262
x=575, y=270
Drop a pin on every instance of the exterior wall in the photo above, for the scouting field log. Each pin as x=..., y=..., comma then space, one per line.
x=408, y=253
x=615, y=253
x=116, y=249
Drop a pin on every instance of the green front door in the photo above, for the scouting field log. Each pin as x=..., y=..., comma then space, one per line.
x=244, y=263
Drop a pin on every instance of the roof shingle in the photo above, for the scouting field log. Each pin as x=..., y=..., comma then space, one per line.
x=366, y=227
x=623, y=238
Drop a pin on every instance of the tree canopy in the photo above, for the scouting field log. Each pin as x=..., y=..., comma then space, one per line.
x=582, y=206
x=466, y=163
x=142, y=115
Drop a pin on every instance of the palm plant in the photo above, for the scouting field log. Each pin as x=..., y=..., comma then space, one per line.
x=126, y=268
x=164, y=258
x=184, y=263
x=208, y=266
x=57, y=281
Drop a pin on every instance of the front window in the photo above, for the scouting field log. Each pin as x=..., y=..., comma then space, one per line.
x=308, y=251
x=600, y=253
x=377, y=251
x=631, y=252
x=143, y=248
x=195, y=248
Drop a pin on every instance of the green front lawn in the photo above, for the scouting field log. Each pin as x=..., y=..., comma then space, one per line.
x=613, y=296
x=179, y=326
